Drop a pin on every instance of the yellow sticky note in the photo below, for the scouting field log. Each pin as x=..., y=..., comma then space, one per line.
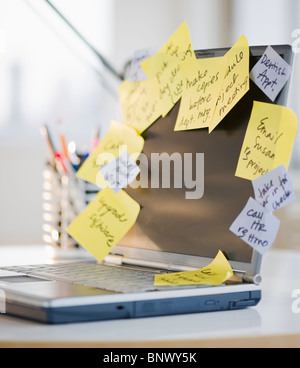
x=214, y=274
x=269, y=140
x=139, y=103
x=119, y=139
x=105, y=221
x=236, y=83
x=165, y=67
x=203, y=80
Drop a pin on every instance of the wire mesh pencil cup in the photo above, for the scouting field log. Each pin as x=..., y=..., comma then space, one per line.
x=64, y=197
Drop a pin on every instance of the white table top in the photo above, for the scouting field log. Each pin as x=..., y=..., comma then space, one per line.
x=273, y=322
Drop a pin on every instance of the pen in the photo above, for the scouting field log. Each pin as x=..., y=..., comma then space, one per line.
x=60, y=160
x=63, y=141
x=45, y=133
x=56, y=160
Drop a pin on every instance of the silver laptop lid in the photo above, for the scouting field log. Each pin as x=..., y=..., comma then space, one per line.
x=179, y=233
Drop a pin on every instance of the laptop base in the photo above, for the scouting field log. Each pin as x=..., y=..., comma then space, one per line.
x=68, y=303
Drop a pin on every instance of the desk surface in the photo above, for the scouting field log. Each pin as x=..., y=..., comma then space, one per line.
x=273, y=323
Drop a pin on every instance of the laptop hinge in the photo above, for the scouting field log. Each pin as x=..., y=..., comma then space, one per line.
x=119, y=260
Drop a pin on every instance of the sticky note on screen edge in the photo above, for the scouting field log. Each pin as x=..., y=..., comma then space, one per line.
x=236, y=83
x=203, y=81
x=139, y=103
x=104, y=222
x=269, y=140
x=216, y=273
x=165, y=67
x=256, y=226
x=119, y=137
x=271, y=73
x=274, y=190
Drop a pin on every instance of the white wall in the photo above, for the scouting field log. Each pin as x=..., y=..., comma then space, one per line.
x=263, y=22
x=21, y=193
x=144, y=23
x=42, y=80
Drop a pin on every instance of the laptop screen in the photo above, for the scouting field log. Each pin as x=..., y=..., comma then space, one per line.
x=169, y=222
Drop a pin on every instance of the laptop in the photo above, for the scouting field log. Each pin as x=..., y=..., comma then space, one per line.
x=172, y=234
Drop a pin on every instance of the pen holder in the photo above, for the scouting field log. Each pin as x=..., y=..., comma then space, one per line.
x=64, y=197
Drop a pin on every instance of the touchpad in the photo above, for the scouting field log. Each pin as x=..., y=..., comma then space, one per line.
x=20, y=279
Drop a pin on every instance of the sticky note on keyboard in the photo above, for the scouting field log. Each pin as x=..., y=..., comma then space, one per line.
x=119, y=138
x=271, y=73
x=105, y=221
x=274, y=190
x=218, y=272
x=269, y=140
x=256, y=226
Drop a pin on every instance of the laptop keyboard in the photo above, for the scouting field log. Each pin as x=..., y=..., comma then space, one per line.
x=112, y=278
